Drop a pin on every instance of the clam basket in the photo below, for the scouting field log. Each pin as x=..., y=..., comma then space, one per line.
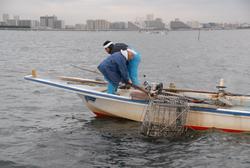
x=165, y=116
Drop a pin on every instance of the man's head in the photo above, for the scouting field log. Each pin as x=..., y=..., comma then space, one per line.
x=108, y=45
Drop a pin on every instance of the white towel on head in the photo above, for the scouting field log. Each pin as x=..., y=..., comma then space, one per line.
x=125, y=53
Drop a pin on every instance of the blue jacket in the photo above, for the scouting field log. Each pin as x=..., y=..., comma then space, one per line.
x=114, y=68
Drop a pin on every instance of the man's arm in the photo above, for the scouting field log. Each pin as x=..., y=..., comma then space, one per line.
x=123, y=69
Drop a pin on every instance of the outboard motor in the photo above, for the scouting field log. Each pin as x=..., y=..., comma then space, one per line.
x=147, y=86
x=159, y=88
x=153, y=87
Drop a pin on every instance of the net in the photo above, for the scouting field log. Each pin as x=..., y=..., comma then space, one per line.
x=165, y=116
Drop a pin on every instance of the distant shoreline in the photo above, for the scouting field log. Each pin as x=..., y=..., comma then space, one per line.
x=31, y=29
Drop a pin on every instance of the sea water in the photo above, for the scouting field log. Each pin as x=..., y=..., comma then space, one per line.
x=43, y=127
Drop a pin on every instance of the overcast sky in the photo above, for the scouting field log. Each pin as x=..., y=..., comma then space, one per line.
x=78, y=11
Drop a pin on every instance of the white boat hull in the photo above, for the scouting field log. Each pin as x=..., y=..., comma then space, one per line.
x=200, y=116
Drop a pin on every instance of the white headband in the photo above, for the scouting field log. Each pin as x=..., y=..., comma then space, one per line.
x=107, y=45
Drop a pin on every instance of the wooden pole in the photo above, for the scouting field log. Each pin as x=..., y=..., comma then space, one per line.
x=86, y=69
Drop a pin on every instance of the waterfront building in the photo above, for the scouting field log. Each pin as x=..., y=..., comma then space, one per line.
x=244, y=26
x=101, y=24
x=231, y=25
x=118, y=25
x=12, y=22
x=69, y=27
x=156, y=24
x=43, y=21
x=132, y=26
x=90, y=25
x=2, y=24
x=28, y=23
x=98, y=24
x=59, y=24
x=51, y=22
x=194, y=24
x=212, y=26
x=80, y=26
x=139, y=21
x=179, y=25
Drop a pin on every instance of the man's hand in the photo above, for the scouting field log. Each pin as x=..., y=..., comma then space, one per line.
x=128, y=85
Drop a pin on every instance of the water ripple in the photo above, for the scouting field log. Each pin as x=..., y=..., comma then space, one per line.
x=43, y=127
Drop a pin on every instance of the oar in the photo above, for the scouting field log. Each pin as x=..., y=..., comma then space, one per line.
x=191, y=99
x=86, y=69
x=220, y=99
x=81, y=80
x=170, y=93
x=188, y=90
x=236, y=94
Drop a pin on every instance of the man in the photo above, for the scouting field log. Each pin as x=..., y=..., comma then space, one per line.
x=114, y=69
x=111, y=48
x=133, y=62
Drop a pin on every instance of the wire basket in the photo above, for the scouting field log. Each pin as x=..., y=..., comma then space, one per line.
x=165, y=116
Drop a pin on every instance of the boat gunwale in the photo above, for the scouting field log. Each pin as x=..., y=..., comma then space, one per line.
x=102, y=95
x=86, y=92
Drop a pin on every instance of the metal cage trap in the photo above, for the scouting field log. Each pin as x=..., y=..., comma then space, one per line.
x=165, y=116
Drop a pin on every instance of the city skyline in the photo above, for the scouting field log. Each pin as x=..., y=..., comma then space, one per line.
x=78, y=11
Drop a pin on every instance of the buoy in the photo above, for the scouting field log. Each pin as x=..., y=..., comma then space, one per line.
x=221, y=84
x=33, y=72
x=172, y=86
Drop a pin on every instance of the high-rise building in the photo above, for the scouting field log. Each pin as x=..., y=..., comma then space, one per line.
x=59, y=24
x=44, y=21
x=51, y=22
x=102, y=24
x=98, y=24
x=90, y=25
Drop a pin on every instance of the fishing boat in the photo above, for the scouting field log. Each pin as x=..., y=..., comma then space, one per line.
x=208, y=110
